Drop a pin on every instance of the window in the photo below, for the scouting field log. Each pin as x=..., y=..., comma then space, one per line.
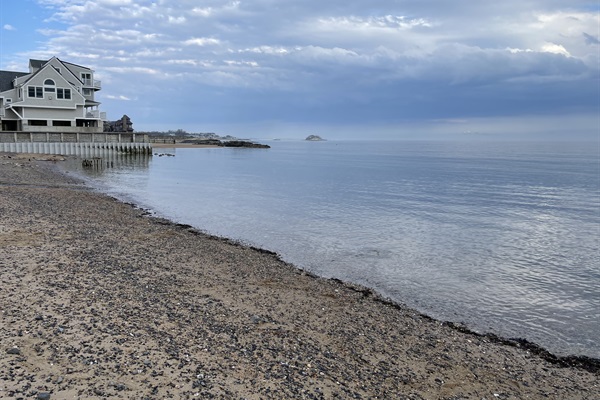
x=86, y=78
x=87, y=92
x=63, y=94
x=35, y=91
x=49, y=86
x=38, y=122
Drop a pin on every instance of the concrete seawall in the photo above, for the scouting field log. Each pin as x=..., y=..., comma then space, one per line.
x=74, y=143
x=75, y=148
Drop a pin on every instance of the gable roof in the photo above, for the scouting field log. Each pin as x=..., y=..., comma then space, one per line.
x=7, y=77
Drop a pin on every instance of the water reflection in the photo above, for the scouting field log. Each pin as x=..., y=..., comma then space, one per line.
x=96, y=163
x=503, y=239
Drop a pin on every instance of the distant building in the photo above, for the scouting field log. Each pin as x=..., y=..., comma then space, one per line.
x=121, y=125
x=54, y=96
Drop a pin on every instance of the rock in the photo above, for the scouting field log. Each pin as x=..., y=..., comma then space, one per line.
x=209, y=142
x=314, y=138
x=227, y=143
x=120, y=387
x=13, y=350
x=43, y=396
x=243, y=143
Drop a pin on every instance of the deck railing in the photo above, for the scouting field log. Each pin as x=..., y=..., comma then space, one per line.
x=92, y=83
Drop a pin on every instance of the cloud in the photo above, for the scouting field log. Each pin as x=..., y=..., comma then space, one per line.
x=555, y=49
x=121, y=97
x=591, y=40
x=335, y=60
x=202, y=42
x=8, y=27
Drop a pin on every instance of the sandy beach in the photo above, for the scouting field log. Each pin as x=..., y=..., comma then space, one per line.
x=99, y=299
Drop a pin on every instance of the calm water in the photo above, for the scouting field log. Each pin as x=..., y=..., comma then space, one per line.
x=504, y=237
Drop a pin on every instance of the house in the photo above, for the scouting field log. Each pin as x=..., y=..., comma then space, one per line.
x=123, y=124
x=54, y=96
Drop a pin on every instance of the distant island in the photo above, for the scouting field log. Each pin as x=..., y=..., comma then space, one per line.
x=314, y=138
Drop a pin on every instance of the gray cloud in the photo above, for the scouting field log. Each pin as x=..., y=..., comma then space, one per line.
x=332, y=61
x=591, y=40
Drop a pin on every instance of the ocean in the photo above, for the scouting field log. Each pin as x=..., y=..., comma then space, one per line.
x=501, y=236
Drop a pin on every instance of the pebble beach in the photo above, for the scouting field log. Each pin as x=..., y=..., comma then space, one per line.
x=101, y=299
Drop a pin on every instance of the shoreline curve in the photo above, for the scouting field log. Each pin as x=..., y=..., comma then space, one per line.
x=102, y=299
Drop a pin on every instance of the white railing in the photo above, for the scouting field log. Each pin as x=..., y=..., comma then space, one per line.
x=92, y=83
x=92, y=114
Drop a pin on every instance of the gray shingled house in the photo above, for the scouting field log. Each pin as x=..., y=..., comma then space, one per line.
x=54, y=96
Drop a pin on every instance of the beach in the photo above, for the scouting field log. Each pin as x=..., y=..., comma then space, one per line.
x=99, y=299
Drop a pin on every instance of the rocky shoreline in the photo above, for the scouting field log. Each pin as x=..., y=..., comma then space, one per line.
x=100, y=299
x=226, y=143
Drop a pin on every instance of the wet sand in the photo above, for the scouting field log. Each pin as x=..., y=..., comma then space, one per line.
x=98, y=299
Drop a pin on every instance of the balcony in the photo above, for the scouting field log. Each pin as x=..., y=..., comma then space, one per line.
x=92, y=83
x=94, y=114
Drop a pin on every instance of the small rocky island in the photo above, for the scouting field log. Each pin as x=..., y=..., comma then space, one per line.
x=314, y=138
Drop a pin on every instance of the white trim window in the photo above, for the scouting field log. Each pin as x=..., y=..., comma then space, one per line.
x=49, y=86
x=35, y=92
x=63, y=94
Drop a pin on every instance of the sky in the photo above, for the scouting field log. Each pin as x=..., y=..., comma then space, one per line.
x=339, y=68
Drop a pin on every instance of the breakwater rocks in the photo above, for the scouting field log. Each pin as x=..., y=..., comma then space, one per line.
x=227, y=143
